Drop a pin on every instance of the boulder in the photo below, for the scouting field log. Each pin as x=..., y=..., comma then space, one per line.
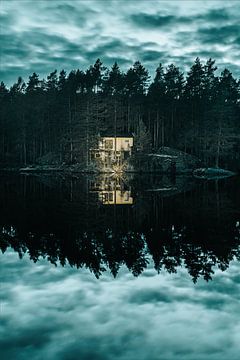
x=212, y=173
x=168, y=160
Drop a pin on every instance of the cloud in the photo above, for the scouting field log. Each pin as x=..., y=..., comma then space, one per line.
x=215, y=15
x=153, y=55
x=154, y=20
x=73, y=34
x=6, y=20
x=220, y=35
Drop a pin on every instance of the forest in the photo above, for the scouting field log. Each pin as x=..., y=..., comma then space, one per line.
x=57, y=119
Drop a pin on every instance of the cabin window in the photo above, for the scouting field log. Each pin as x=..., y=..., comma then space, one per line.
x=105, y=197
x=108, y=196
x=126, y=155
x=108, y=144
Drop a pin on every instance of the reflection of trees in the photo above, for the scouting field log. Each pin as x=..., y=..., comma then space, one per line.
x=99, y=252
x=195, y=229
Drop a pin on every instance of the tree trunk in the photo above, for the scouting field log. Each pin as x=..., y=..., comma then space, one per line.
x=218, y=148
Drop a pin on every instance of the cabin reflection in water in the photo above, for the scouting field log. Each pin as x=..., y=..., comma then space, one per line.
x=111, y=191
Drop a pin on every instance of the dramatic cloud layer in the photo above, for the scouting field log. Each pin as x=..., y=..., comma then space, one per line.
x=43, y=35
x=67, y=314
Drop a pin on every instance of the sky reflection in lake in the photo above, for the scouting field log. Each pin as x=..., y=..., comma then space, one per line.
x=167, y=239
x=64, y=313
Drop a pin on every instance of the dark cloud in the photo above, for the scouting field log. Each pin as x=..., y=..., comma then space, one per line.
x=12, y=47
x=31, y=43
x=206, y=54
x=152, y=21
x=31, y=51
x=6, y=20
x=158, y=20
x=62, y=12
x=220, y=14
x=146, y=296
x=220, y=35
x=132, y=52
x=153, y=55
x=112, y=45
x=67, y=8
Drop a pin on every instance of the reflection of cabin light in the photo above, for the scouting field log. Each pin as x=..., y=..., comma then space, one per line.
x=118, y=168
x=115, y=197
x=111, y=190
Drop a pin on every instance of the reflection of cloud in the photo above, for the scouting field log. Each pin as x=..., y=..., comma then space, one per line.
x=64, y=313
x=153, y=20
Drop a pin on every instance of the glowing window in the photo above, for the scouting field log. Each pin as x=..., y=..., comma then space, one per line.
x=108, y=144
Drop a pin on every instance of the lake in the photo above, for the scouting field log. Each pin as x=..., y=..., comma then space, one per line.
x=119, y=267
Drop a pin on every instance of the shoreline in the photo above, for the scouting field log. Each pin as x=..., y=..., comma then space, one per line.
x=85, y=171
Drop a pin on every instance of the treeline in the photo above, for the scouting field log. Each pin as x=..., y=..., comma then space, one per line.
x=55, y=120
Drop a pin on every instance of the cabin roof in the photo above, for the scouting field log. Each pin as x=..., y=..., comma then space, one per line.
x=118, y=136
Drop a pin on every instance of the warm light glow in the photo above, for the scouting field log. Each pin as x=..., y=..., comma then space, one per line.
x=112, y=153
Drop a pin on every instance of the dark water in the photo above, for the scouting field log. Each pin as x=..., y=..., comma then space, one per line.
x=119, y=268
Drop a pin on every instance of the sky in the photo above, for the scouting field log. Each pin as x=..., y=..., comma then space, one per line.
x=57, y=313
x=44, y=35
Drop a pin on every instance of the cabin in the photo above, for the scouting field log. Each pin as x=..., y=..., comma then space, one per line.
x=112, y=151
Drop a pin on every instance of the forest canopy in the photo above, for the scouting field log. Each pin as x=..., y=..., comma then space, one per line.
x=54, y=120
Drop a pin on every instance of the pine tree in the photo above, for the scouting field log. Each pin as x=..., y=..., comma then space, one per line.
x=114, y=81
x=174, y=83
x=157, y=108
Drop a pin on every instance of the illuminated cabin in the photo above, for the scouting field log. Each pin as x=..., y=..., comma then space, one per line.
x=112, y=151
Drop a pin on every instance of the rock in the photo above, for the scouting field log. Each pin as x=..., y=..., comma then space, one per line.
x=168, y=160
x=212, y=173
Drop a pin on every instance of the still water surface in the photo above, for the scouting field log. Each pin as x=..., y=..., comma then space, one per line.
x=112, y=268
